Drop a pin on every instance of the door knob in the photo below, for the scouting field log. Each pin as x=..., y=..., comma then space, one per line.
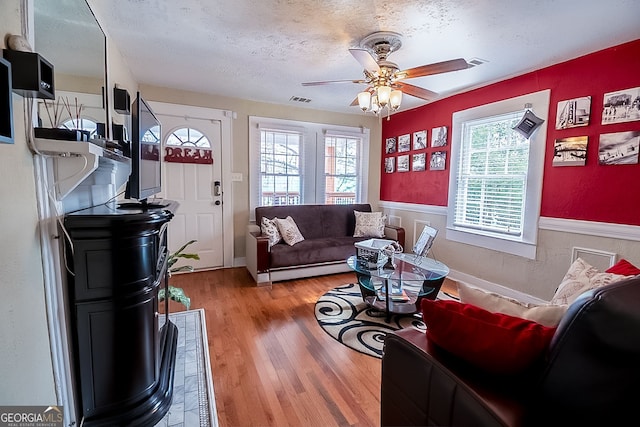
x=217, y=202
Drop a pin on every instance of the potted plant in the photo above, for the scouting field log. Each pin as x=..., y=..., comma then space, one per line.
x=174, y=293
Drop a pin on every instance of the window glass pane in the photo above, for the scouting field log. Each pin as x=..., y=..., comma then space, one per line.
x=188, y=137
x=280, y=168
x=341, y=170
x=83, y=124
x=492, y=176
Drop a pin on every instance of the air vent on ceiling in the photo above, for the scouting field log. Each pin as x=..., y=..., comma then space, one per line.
x=299, y=99
x=473, y=62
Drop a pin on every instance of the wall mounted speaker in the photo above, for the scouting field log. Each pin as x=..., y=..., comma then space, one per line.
x=121, y=101
x=528, y=124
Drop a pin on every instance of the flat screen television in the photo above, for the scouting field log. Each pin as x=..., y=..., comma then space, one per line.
x=145, y=178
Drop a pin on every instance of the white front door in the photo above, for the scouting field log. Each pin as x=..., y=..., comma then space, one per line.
x=196, y=187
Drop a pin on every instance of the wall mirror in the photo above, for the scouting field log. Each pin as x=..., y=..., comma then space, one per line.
x=68, y=35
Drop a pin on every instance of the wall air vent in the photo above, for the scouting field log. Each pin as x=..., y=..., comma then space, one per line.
x=300, y=99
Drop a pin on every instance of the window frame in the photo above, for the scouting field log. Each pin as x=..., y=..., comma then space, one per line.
x=312, y=157
x=525, y=244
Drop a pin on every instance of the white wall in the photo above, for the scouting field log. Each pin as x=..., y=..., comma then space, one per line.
x=26, y=369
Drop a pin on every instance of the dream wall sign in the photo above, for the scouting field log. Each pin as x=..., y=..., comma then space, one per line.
x=201, y=156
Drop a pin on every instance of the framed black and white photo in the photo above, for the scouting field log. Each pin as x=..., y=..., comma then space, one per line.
x=570, y=151
x=573, y=113
x=621, y=106
x=420, y=140
x=404, y=143
x=419, y=162
x=390, y=146
x=390, y=164
x=620, y=148
x=403, y=163
x=439, y=136
x=438, y=161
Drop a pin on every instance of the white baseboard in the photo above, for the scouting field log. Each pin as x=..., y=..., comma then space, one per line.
x=494, y=287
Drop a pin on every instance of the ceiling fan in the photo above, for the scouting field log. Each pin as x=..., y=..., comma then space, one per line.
x=384, y=79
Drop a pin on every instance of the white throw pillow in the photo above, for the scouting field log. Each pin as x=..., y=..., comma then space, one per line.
x=580, y=278
x=289, y=230
x=545, y=314
x=369, y=224
x=269, y=228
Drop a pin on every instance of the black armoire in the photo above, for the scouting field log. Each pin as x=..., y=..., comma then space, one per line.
x=123, y=362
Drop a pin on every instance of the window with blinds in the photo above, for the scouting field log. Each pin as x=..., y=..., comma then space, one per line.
x=492, y=176
x=280, y=173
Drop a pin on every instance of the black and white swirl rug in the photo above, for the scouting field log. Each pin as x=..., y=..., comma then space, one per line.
x=343, y=314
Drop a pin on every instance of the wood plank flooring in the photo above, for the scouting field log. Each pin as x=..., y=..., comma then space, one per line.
x=272, y=364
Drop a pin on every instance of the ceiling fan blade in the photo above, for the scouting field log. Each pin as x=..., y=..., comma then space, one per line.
x=332, y=81
x=365, y=59
x=416, y=91
x=436, y=68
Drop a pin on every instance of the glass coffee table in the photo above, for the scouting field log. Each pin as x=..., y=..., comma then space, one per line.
x=399, y=290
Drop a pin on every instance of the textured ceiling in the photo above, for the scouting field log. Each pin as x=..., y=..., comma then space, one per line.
x=264, y=50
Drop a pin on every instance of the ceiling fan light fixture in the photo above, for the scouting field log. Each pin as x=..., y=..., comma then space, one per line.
x=384, y=93
x=375, y=106
x=395, y=99
x=364, y=100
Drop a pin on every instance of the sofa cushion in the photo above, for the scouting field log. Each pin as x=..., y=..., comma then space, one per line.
x=369, y=224
x=545, y=314
x=313, y=251
x=580, y=278
x=623, y=267
x=495, y=342
x=269, y=228
x=317, y=221
x=289, y=230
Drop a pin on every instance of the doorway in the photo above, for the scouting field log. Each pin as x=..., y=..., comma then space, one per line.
x=205, y=212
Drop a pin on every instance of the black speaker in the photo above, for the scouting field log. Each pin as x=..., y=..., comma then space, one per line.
x=121, y=101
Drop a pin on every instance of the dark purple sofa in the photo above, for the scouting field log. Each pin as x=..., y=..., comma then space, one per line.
x=328, y=242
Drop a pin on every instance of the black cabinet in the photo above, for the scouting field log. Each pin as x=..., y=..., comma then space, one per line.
x=123, y=362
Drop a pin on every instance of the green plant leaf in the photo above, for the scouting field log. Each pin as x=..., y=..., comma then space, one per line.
x=175, y=294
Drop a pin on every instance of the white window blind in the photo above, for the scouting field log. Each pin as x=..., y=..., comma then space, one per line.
x=492, y=176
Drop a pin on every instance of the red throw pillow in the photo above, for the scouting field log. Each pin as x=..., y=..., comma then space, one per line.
x=624, y=267
x=495, y=342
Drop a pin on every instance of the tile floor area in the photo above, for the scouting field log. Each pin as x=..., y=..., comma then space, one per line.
x=193, y=400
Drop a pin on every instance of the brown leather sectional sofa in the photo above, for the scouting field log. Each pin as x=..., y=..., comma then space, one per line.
x=589, y=377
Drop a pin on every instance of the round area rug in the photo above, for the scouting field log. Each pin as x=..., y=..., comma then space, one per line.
x=343, y=314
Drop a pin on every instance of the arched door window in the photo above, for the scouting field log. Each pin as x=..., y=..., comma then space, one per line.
x=188, y=137
x=80, y=124
x=188, y=145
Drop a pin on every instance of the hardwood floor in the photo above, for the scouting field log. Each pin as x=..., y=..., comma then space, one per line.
x=272, y=364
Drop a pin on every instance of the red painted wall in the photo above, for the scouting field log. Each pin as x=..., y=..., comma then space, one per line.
x=592, y=192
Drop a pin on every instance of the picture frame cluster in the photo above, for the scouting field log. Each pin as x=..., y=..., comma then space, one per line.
x=413, y=152
x=614, y=148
